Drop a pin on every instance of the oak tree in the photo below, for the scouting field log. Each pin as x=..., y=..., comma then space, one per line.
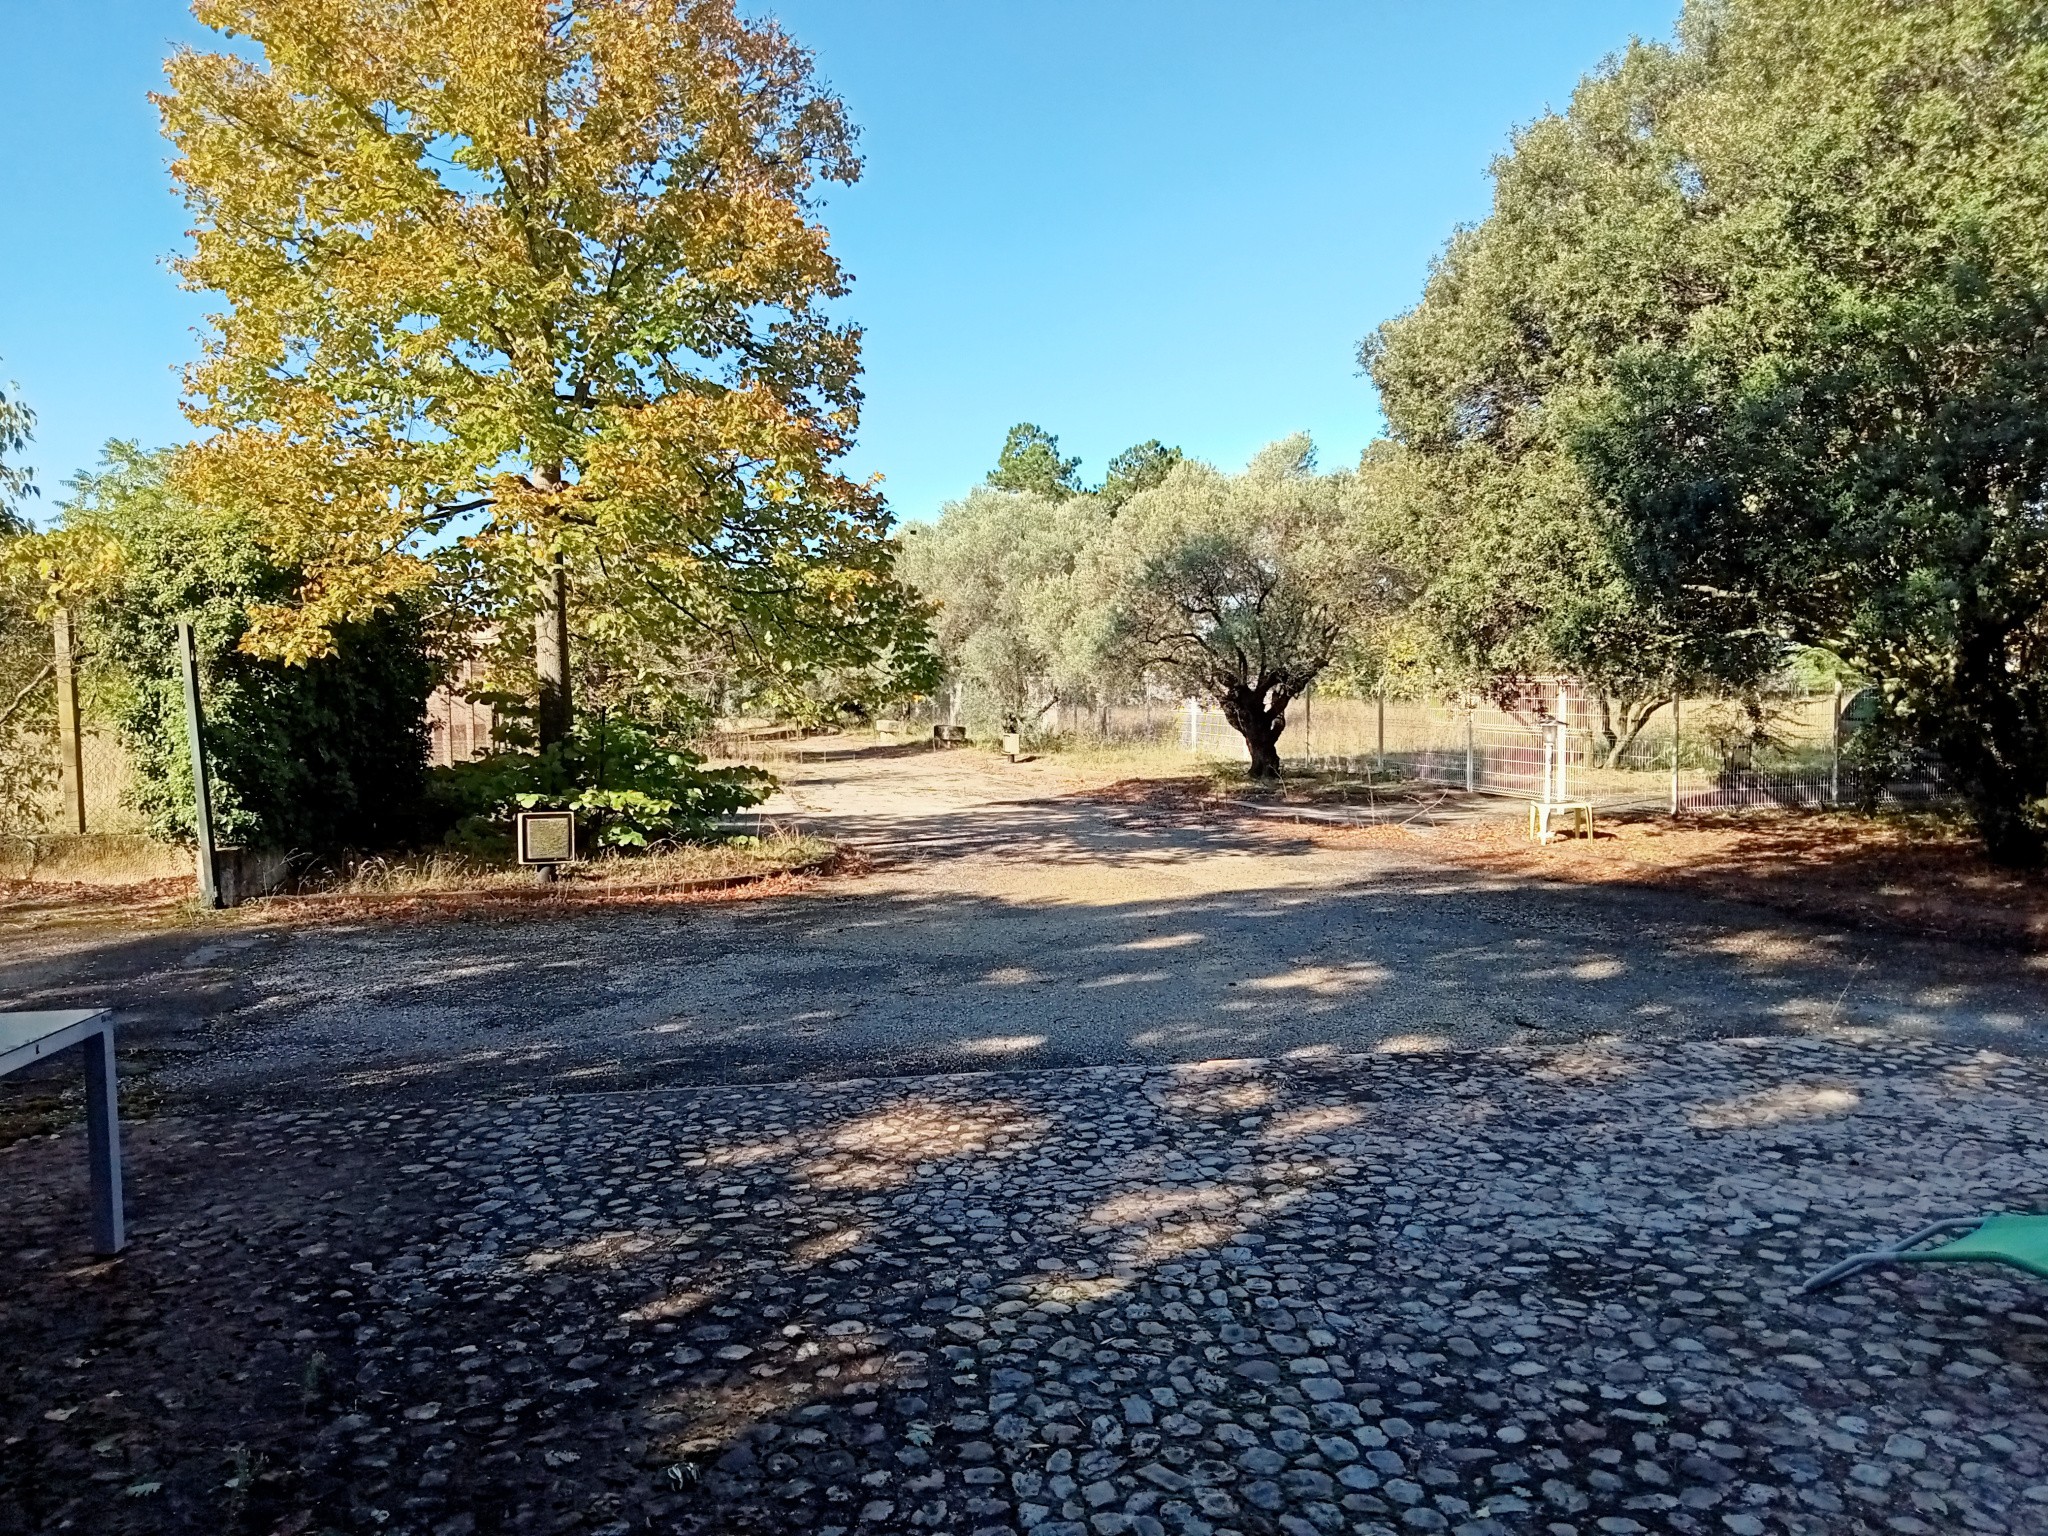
x=542, y=282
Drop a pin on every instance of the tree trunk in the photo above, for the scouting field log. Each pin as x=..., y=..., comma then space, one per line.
x=553, y=714
x=1632, y=724
x=1260, y=722
x=1992, y=741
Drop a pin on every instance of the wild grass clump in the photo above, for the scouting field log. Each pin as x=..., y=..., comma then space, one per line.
x=675, y=866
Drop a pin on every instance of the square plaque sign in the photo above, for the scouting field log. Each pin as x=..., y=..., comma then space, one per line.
x=547, y=837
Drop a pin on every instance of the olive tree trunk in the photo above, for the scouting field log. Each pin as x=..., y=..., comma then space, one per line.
x=1260, y=719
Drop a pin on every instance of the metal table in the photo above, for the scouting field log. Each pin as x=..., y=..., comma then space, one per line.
x=29, y=1037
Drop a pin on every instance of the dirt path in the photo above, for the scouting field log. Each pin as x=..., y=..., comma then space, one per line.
x=1010, y=921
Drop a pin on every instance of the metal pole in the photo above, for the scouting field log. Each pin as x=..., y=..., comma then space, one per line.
x=70, y=758
x=195, y=735
x=1382, y=753
x=1835, y=751
x=1674, y=751
x=103, y=1142
x=1564, y=737
x=1308, y=723
x=1468, y=750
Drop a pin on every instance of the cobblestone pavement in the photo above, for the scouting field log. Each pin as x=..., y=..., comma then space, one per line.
x=1517, y=1289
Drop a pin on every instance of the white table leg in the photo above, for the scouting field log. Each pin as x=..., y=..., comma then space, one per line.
x=103, y=1142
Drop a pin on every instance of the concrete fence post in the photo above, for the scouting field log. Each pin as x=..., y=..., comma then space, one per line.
x=1835, y=750
x=70, y=755
x=1675, y=730
x=202, y=799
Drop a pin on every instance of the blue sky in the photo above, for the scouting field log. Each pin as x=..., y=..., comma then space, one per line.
x=1120, y=219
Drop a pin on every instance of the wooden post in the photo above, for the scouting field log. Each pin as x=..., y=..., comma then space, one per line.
x=1308, y=724
x=1469, y=780
x=202, y=799
x=1382, y=750
x=70, y=758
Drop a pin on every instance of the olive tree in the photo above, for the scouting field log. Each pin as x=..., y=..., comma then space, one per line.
x=1239, y=588
x=999, y=568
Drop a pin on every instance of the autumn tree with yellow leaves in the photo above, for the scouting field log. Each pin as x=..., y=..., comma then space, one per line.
x=535, y=288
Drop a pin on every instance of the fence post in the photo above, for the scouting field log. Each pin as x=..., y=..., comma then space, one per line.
x=1382, y=748
x=202, y=800
x=1674, y=751
x=1469, y=782
x=1835, y=751
x=70, y=756
x=1564, y=738
x=1308, y=724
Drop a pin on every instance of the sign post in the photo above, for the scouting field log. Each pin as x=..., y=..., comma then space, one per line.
x=202, y=798
x=547, y=839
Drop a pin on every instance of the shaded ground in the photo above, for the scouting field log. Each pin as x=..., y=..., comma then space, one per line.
x=1007, y=921
x=686, y=1218
x=1917, y=875
x=1519, y=1290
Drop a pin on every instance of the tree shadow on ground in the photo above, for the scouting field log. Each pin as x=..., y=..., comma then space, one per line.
x=905, y=981
x=715, y=1310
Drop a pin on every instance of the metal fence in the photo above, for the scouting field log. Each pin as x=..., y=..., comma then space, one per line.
x=1700, y=754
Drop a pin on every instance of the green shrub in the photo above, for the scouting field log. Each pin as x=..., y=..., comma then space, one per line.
x=318, y=758
x=629, y=789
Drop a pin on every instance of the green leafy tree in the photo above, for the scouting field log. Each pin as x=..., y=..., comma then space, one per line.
x=1517, y=561
x=1239, y=588
x=27, y=756
x=545, y=280
x=1138, y=468
x=1838, y=435
x=1030, y=462
x=17, y=483
x=317, y=758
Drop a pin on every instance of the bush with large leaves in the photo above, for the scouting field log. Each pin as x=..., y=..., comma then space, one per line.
x=630, y=787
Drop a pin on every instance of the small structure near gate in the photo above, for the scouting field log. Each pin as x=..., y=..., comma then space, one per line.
x=1554, y=810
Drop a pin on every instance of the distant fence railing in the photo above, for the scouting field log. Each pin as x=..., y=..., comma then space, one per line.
x=1711, y=756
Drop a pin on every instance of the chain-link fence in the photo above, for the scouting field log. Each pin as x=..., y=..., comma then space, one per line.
x=106, y=774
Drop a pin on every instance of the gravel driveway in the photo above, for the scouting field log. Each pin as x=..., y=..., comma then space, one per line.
x=1008, y=924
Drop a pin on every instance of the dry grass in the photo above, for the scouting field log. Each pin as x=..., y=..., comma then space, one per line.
x=440, y=884
x=91, y=858
x=431, y=885
x=1915, y=874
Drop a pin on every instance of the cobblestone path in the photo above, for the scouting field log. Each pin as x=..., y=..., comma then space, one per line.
x=1521, y=1289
